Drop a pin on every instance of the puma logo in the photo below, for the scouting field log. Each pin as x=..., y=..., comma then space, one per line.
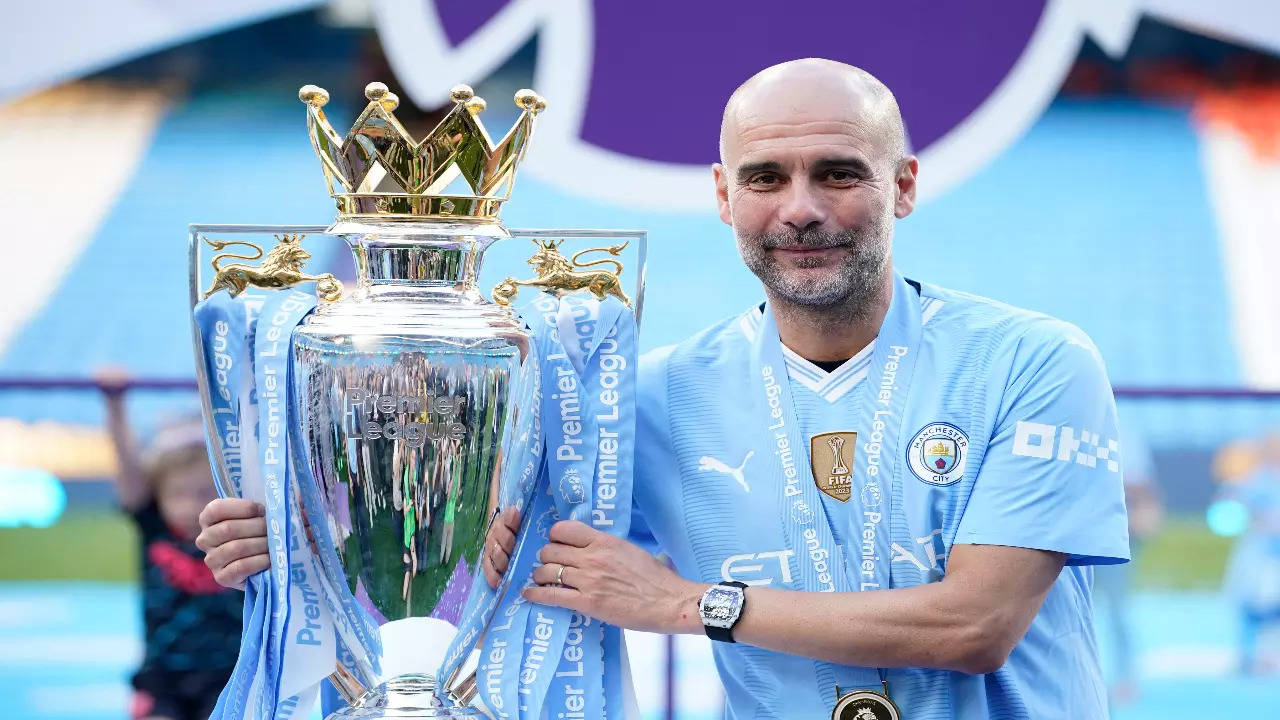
x=706, y=462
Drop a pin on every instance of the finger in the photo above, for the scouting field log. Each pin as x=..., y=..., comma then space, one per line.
x=572, y=532
x=498, y=558
x=234, y=575
x=229, y=530
x=230, y=509
x=491, y=575
x=550, y=595
x=545, y=574
x=504, y=538
x=551, y=574
x=562, y=554
x=511, y=518
x=228, y=553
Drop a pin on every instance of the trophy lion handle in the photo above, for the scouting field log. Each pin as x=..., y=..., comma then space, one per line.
x=559, y=275
x=281, y=267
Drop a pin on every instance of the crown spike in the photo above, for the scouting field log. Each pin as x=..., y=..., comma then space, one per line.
x=390, y=101
x=526, y=99
x=476, y=105
x=313, y=95
x=375, y=90
x=461, y=93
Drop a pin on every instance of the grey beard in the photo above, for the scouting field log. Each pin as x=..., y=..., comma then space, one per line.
x=852, y=284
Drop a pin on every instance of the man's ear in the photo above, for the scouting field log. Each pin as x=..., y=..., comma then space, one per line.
x=722, y=193
x=906, y=186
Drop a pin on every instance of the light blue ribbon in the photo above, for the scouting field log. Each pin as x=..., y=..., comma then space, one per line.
x=539, y=661
x=271, y=353
x=825, y=555
x=284, y=652
x=224, y=323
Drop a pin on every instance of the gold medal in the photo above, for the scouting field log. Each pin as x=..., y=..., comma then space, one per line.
x=865, y=705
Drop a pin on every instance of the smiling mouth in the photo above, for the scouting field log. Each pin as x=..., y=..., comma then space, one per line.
x=807, y=249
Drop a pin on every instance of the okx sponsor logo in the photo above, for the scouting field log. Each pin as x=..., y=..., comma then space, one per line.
x=1066, y=444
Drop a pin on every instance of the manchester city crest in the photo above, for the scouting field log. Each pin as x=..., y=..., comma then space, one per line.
x=937, y=454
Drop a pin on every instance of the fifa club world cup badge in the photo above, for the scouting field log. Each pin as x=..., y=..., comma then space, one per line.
x=830, y=457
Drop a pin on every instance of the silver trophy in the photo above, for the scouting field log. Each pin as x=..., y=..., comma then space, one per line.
x=406, y=387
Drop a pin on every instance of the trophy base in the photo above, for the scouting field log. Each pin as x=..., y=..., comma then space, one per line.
x=408, y=696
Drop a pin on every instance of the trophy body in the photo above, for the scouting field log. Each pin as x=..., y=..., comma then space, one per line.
x=404, y=394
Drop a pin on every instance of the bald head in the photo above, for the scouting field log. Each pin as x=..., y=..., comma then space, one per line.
x=813, y=174
x=817, y=90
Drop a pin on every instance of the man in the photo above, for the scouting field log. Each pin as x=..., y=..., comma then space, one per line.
x=898, y=474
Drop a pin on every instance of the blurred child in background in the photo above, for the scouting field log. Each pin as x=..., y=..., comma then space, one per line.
x=192, y=623
x=1253, y=570
x=1113, y=584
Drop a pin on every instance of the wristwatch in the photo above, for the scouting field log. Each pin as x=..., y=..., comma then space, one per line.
x=720, y=607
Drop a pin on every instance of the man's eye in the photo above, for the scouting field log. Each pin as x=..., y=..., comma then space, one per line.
x=764, y=179
x=841, y=176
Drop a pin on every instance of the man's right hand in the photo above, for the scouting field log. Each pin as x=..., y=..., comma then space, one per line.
x=233, y=536
x=499, y=545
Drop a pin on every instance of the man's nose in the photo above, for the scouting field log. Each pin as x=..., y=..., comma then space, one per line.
x=801, y=207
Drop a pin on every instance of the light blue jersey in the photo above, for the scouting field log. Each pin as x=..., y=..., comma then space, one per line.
x=998, y=427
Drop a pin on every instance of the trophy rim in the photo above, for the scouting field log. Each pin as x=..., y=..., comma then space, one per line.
x=196, y=274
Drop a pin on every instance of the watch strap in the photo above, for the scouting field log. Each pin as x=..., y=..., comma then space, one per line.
x=719, y=634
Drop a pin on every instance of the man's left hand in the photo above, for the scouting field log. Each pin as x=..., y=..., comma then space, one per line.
x=614, y=581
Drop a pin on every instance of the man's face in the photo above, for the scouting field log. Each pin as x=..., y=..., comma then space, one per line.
x=811, y=190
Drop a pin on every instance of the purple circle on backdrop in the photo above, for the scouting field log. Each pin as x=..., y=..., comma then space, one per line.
x=663, y=69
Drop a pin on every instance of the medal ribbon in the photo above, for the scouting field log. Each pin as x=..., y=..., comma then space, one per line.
x=222, y=325
x=538, y=660
x=812, y=523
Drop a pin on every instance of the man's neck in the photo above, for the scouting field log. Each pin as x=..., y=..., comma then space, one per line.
x=835, y=332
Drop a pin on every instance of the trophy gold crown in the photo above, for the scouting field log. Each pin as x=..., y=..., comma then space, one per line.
x=379, y=169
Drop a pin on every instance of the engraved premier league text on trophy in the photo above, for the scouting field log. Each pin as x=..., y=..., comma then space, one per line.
x=384, y=426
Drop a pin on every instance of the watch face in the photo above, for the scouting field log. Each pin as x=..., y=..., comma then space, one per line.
x=720, y=606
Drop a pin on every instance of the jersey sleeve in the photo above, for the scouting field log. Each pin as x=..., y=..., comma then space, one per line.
x=1051, y=477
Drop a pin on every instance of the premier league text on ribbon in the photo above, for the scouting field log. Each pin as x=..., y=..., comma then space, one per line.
x=611, y=364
